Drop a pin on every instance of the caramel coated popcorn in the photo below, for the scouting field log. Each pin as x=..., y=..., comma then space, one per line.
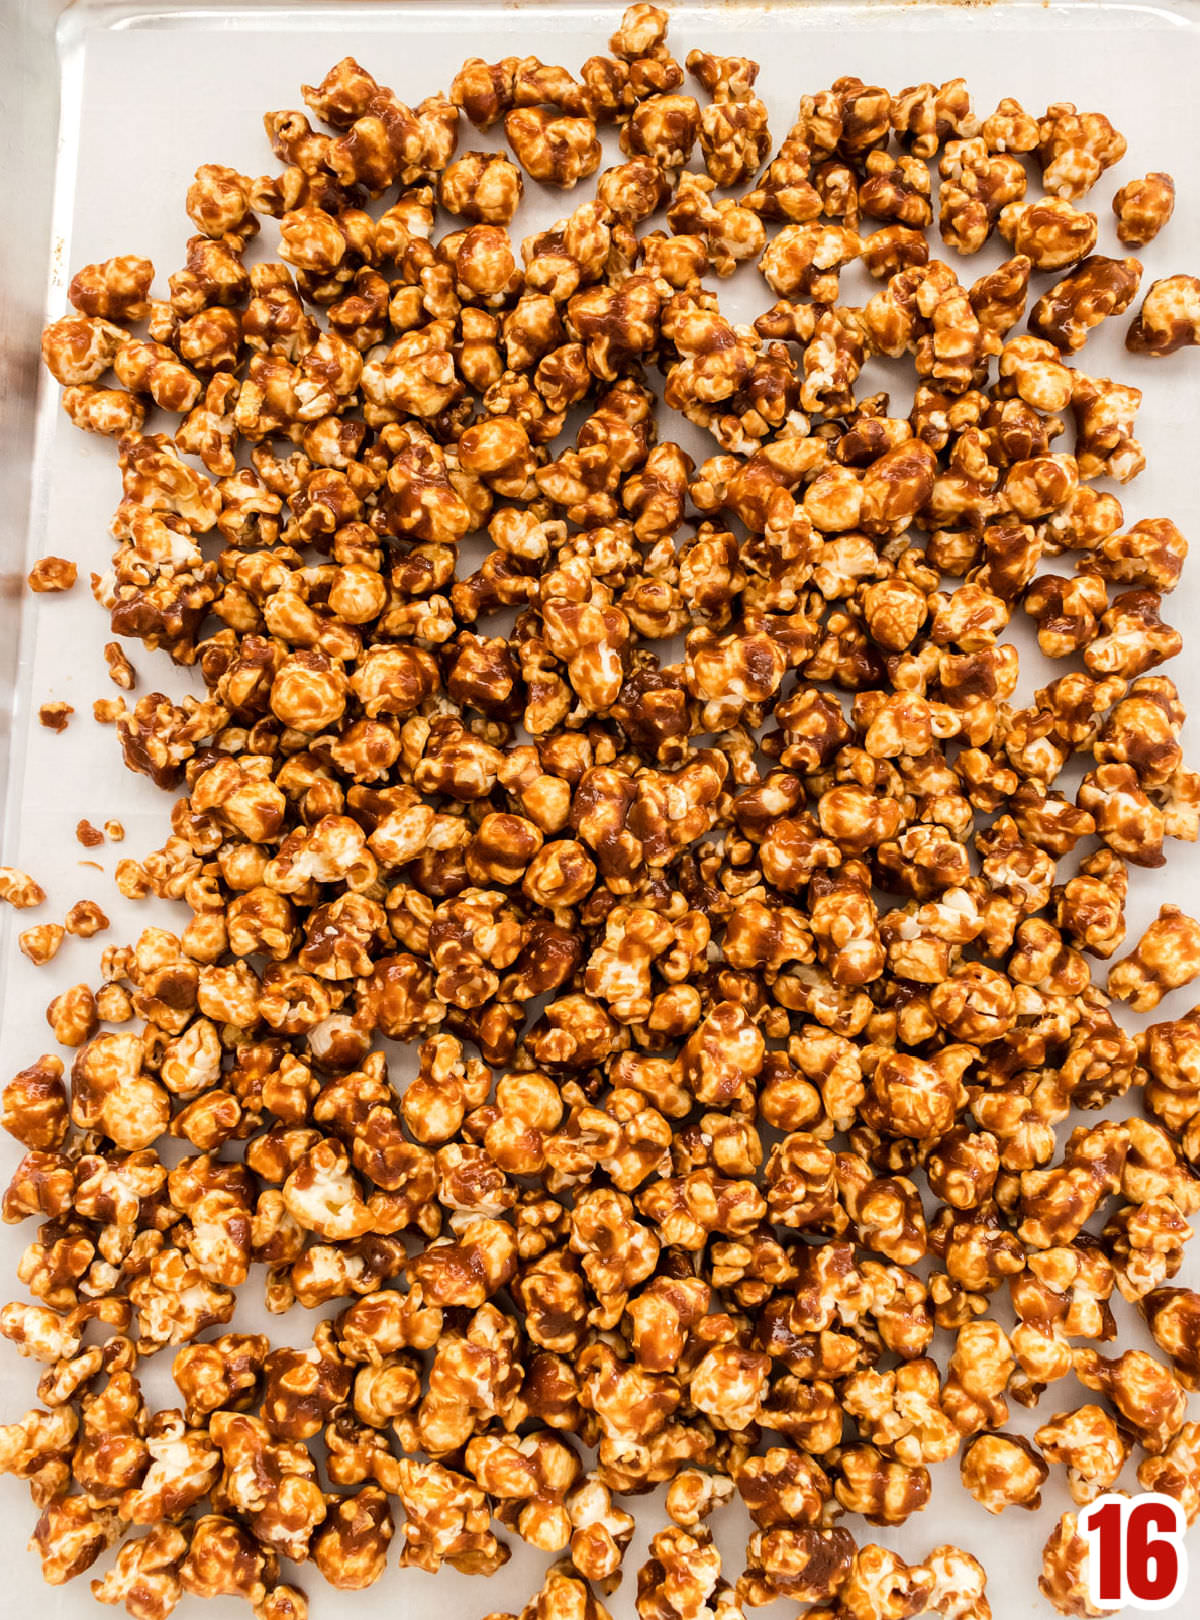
x=85, y=919
x=41, y=943
x=1143, y=207
x=52, y=574
x=1169, y=318
x=19, y=890
x=683, y=809
x=1166, y=957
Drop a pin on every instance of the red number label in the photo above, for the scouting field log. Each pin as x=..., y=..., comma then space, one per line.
x=1137, y=1552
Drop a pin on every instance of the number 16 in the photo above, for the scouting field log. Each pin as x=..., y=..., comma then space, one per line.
x=1137, y=1551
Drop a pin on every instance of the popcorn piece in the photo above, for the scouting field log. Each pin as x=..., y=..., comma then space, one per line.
x=41, y=944
x=19, y=890
x=52, y=574
x=1169, y=318
x=1004, y=1470
x=1080, y=301
x=1166, y=957
x=1064, y=1580
x=1143, y=207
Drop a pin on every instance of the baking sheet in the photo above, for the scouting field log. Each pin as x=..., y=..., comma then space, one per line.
x=151, y=93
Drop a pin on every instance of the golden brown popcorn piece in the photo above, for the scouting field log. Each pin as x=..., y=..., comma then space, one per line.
x=223, y=1373
x=447, y=1520
x=78, y=350
x=1135, y=639
x=145, y=1576
x=109, y=1087
x=284, y=1523
x=682, y=1575
x=483, y=91
x=1090, y=1445
x=116, y=290
x=34, y=1105
x=805, y=259
x=1104, y=442
x=1098, y=288
x=896, y=189
x=1051, y=233
x=224, y=1560
x=1177, y=1471
x=924, y=116
x=1169, y=318
x=600, y=1531
x=1151, y=553
x=41, y=944
x=1067, y=612
x=551, y=147
x=796, y=1561
x=958, y=1583
x=70, y=1536
x=1090, y=906
x=1037, y=485
x=977, y=185
x=1171, y=1315
x=663, y=128
x=1143, y=207
x=785, y=189
x=725, y=232
x=912, y=1097
x=1126, y=819
x=1003, y=1470
x=852, y=115
x=998, y=298
x=881, y=1583
x=85, y=919
x=481, y=186
x=899, y=1412
x=19, y=890
x=641, y=33
x=1166, y=957
x=1065, y=1580
x=883, y=1490
x=282, y=1602
x=979, y=1371
x=218, y=204
x=893, y=248
x=692, y=1496
x=154, y=369
x=728, y=1386
x=52, y=574
x=1147, y=1395
x=734, y=137
x=1074, y=149
x=784, y=1486
x=110, y=412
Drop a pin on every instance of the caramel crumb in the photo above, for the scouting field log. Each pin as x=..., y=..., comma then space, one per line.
x=120, y=670
x=55, y=716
